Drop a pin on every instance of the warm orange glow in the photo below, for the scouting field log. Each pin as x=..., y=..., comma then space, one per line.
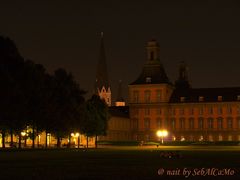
x=162, y=133
x=23, y=133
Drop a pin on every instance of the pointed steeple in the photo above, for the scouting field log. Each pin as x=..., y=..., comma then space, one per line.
x=101, y=83
x=102, y=74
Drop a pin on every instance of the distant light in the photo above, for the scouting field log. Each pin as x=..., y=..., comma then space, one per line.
x=161, y=133
x=23, y=133
x=75, y=135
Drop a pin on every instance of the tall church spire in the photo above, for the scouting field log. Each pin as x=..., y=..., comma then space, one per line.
x=102, y=84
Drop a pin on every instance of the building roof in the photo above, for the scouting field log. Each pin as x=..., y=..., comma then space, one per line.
x=119, y=111
x=152, y=74
x=207, y=95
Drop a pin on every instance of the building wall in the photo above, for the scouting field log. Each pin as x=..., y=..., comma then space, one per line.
x=118, y=129
x=149, y=114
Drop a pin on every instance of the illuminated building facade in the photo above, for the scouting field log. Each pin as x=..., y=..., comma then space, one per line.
x=189, y=114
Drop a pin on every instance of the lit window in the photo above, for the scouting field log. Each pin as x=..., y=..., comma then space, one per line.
x=229, y=123
x=210, y=138
x=173, y=123
x=191, y=111
x=238, y=97
x=220, y=123
x=200, y=123
x=181, y=111
x=147, y=96
x=219, y=98
x=147, y=123
x=182, y=99
x=201, y=98
x=182, y=123
x=135, y=96
x=148, y=79
x=159, y=123
x=220, y=111
x=191, y=123
x=200, y=111
x=159, y=93
x=229, y=110
x=210, y=110
x=220, y=138
x=210, y=123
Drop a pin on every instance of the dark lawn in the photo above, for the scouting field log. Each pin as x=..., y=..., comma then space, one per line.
x=114, y=163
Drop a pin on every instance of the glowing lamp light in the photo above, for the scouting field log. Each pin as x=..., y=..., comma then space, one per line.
x=23, y=133
x=162, y=134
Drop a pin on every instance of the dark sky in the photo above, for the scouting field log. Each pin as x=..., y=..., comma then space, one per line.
x=65, y=33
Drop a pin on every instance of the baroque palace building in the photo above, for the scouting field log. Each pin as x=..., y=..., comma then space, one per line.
x=188, y=114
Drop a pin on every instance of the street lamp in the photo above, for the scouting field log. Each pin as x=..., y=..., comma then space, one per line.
x=24, y=135
x=76, y=135
x=162, y=134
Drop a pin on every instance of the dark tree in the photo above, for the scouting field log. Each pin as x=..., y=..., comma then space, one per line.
x=67, y=100
x=96, y=118
x=12, y=104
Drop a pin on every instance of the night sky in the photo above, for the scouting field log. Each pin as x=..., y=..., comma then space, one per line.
x=66, y=33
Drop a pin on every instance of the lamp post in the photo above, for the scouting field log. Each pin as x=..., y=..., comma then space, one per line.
x=24, y=135
x=161, y=134
x=76, y=135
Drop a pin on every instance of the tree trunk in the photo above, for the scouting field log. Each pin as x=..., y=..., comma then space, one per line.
x=33, y=138
x=11, y=134
x=78, y=141
x=25, y=141
x=96, y=141
x=38, y=143
x=87, y=141
x=58, y=142
x=69, y=141
x=46, y=143
x=3, y=138
x=19, y=141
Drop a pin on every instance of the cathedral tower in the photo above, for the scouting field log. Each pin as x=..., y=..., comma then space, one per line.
x=182, y=82
x=102, y=86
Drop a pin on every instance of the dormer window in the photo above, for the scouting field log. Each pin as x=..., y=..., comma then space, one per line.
x=182, y=99
x=148, y=79
x=219, y=98
x=238, y=97
x=201, y=98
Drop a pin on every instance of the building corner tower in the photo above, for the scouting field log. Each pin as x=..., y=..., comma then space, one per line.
x=102, y=86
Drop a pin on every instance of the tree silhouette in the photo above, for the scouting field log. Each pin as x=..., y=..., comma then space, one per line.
x=96, y=118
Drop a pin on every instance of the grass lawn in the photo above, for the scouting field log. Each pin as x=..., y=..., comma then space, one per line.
x=116, y=163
